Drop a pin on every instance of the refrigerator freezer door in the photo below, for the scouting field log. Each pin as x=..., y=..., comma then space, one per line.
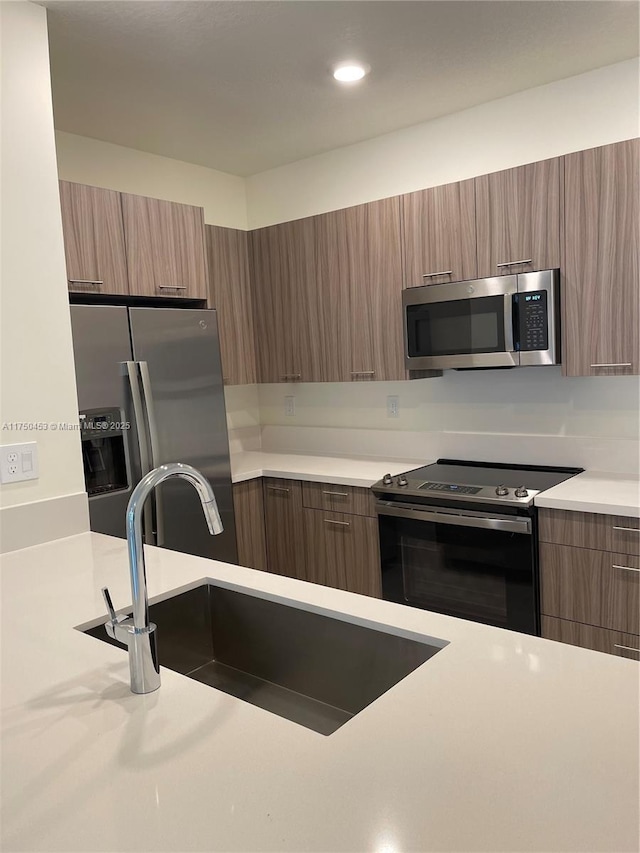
x=180, y=366
x=102, y=346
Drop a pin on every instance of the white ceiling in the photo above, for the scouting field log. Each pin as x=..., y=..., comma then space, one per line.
x=244, y=85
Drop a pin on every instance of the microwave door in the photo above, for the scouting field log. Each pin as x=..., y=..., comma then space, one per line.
x=461, y=325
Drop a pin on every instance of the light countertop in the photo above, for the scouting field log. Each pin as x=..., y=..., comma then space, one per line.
x=611, y=494
x=361, y=471
x=501, y=742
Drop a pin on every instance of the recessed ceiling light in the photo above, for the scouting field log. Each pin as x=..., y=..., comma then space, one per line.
x=350, y=71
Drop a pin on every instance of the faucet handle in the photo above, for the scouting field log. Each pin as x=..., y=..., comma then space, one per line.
x=109, y=604
x=118, y=626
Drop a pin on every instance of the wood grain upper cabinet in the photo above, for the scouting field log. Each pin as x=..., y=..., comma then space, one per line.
x=331, y=303
x=439, y=227
x=374, y=273
x=518, y=219
x=93, y=239
x=230, y=294
x=165, y=248
x=283, y=527
x=601, y=284
x=283, y=275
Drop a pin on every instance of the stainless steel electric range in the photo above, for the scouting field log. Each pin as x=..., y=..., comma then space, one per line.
x=461, y=538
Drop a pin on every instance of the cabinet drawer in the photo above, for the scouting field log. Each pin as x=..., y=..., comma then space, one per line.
x=589, y=637
x=336, y=498
x=590, y=530
x=599, y=588
x=342, y=551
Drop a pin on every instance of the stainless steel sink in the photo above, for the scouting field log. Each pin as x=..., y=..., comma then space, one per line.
x=315, y=670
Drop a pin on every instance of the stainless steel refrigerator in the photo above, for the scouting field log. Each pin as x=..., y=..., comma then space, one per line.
x=150, y=391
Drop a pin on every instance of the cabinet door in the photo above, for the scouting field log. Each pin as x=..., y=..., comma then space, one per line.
x=230, y=295
x=601, y=285
x=93, y=239
x=165, y=248
x=283, y=527
x=439, y=234
x=331, y=304
x=374, y=274
x=248, y=508
x=518, y=219
x=283, y=277
x=342, y=551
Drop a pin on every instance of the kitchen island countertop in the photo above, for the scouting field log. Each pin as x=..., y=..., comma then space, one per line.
x=500, y=742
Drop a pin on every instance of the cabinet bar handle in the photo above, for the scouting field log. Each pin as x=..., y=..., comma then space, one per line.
x=287, y=376
x=626, y=568
x=363, y=373
x=341, y=523
x=620, y=364
x=346, y=495
x=433, y=274
x=278, y=489
x=172, y=287
x=85, y=281
x=626, y=648
x=514, y=263
x=627, y=529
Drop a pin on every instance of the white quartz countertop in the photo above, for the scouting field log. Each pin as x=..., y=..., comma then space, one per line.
x=611, y=494
x=501, y=742
x=361, y=471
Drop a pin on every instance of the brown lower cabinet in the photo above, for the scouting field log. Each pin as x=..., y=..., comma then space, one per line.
x=591, y=637
x=283, y=527
x=248, y=508
x=342, y=551
x=280, y=530
x=590, y=580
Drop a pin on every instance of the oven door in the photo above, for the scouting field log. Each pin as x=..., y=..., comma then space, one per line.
x=466, y=324
x=473, y=565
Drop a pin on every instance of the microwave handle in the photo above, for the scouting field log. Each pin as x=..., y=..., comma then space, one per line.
x=510, y=309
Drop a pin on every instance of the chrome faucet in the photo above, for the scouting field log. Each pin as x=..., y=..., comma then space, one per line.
x=136, y=632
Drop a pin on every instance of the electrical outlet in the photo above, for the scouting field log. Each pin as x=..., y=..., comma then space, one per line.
x=290, y=406
x=393, y=406
x=18, y=462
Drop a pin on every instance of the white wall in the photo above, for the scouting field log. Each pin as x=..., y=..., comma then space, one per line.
x=591, y=109
x=101, y=164
x=37, y=371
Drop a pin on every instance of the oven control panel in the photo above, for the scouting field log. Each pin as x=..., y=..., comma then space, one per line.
x=451, y=488
x=532, y=321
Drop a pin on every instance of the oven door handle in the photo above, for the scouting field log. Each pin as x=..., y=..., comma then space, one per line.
x=509, y=525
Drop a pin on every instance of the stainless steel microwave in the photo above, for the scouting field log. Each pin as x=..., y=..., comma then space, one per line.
x=506, y=321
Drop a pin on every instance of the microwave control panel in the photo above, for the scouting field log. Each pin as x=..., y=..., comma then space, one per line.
x=532, y=321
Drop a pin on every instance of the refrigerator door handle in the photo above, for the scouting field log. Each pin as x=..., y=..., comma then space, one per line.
x=143, y=444
x=155, y=445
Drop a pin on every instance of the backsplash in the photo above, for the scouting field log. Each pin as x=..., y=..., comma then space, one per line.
x=524, y=401
x=529, y=415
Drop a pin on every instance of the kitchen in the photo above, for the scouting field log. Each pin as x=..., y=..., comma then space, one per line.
x=326, y=430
